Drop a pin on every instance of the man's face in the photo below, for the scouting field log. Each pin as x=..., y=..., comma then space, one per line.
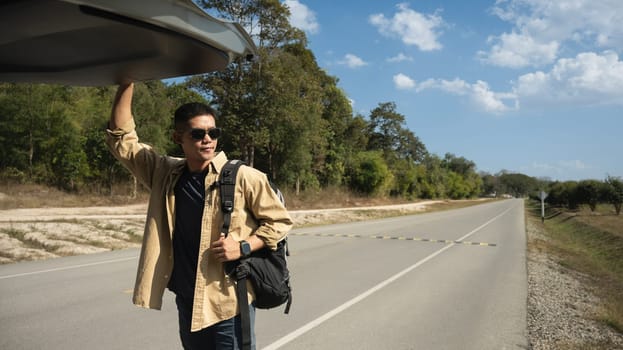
x=199, y=152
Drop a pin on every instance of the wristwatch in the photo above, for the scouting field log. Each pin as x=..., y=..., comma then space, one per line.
x=245, y=249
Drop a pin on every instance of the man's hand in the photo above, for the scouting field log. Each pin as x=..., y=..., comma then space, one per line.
x=226, y=249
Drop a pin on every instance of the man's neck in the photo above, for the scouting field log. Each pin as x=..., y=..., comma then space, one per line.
x=197, y=167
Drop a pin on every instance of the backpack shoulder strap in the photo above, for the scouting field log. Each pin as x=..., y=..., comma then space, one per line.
x=227, y=189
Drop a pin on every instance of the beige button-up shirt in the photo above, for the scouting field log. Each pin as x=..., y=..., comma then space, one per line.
x=257, y=211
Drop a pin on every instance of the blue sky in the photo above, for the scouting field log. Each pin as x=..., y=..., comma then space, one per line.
x=529, y=86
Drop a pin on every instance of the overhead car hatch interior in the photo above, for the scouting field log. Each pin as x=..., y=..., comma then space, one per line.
x=61, y=42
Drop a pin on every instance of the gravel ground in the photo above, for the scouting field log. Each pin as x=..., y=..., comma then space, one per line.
x=560, y=308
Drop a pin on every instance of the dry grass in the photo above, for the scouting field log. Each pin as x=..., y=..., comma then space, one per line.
x=21, y=236
x=603, y=218
x=37, y=196
x=592, y=243
x=333, y=198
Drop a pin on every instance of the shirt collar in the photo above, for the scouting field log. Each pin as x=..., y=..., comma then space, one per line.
x=218, y=162
x=215, y=165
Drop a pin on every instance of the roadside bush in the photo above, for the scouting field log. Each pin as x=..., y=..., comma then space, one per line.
x=406, y=183
x=563, y=194
x=370, y=174
x=12, y=175
x=614, y=192
x=590, y=192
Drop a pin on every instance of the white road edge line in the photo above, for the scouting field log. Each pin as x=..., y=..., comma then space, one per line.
x=309, y=326
x=66, y=268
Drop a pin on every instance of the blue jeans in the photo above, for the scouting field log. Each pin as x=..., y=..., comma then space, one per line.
x=225, y=335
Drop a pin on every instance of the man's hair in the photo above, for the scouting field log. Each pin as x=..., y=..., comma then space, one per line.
x=188, y=111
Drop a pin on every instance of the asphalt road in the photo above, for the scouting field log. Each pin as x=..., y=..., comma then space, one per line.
x=446, y=280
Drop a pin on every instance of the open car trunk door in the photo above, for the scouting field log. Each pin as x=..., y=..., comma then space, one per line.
x=104, y=42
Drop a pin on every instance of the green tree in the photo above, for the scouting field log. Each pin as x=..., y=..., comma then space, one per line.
x=25, y=110
x=490, y=185
x=459, y=165
x=68, y=160
x=518, y=185
x=387, y=132
x=557, y=194
x=614, y=192
x=474, y=183
x=410, y=147
x=590, y=192
x=153, y=111
x=463, y=181
x=297, y=133
x=370, y=175
x=338, y=115
x=14, y=128
x=104, y=169
x=401, y=148
x=456, y=188
x=405, y=179
x=355, y=138
x=385, y=126
x=35, y=129
x=563, y=194
x=432, y=177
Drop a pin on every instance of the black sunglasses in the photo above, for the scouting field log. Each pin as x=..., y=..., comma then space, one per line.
x=199, y=134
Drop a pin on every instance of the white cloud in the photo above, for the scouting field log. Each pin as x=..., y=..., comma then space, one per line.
x=490, y=101
x=352, y=61
x=559, y=169
x=412, y=27
x=302, y=17
x=542, y=29
x=540, y=166
x=519, y=50
x=403, y=82
x=456, y=86
x=479, y=93
x=574, y=164
x=587, y=79
x=401, y=57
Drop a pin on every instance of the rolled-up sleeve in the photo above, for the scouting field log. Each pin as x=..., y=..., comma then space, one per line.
x=140, y=159
x=129, y=127
x=273, y=218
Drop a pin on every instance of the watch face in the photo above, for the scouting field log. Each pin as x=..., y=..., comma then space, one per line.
x=245, y=249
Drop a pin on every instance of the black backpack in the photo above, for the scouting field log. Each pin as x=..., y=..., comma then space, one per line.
x=266, y=269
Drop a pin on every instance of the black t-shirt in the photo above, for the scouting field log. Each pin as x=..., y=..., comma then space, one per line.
x=189, y=204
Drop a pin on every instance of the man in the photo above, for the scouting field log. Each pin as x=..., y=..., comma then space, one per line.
x=183, y=248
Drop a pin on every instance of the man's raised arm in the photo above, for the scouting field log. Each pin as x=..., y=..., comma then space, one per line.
x=122, y=107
